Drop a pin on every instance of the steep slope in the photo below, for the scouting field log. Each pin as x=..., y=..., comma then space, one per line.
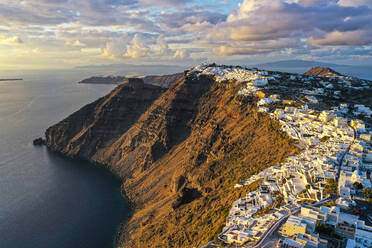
x=96, y=125
x=179, y=158
x=322, y=72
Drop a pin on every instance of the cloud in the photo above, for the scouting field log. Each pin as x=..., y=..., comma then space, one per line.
x=76, y=43
x=256, y=23
x=163, y=45
x=355, y=3
x=256, y=47
x=189, y=17
x=173, y=30
x=164, y=3
x=114, y=50
x=11, y=41
x=337, y=38
x=87, y=12
x=181, y=54
x=137, y=49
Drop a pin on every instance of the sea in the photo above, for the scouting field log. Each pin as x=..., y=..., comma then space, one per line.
x=46, y=200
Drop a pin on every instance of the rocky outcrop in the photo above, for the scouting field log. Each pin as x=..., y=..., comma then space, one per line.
x=179, y=152
x=38, y=142
x=322, y=72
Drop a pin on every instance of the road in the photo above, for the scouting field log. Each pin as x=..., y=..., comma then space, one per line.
x=275, y=227
x=346, y=152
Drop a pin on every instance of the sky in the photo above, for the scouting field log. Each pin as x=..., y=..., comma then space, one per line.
x=61, y=34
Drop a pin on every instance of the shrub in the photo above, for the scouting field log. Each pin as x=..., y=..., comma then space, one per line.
x=330, y=187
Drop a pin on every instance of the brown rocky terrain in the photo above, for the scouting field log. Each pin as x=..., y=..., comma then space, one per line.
x=179, y=153
x=322, y=72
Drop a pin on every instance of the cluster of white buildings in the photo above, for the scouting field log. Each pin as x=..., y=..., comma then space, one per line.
x=335, y=145
x=242, y=226
x=348, y=226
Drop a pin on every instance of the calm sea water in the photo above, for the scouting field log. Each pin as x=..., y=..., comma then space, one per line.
x=47, y=200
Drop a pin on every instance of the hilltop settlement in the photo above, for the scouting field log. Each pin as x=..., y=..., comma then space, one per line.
x=231, y=156
x=318, y=197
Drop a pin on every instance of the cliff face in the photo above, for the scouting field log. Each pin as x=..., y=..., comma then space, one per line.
x=179, y=152
x=97, y=125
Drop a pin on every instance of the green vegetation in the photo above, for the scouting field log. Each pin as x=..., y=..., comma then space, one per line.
x=254, y=186
x=367, y=193
x=358, y=186
x=309, y=201
x=325, y=138
x=329, y=204
x=277, y=202
x=324, y=229
x=330, y=187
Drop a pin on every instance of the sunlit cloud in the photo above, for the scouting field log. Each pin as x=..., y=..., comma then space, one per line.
x=72, y=33
x=11, y=41
x=76, y=43
x=137, y=49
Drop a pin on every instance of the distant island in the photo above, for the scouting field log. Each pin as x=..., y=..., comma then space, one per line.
x=11, y=79
x=103, y=80
x=164, y=81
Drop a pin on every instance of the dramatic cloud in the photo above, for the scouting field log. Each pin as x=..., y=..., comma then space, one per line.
x=137, y=49
x=272, y=25
x=183, y=31
x=114, y=50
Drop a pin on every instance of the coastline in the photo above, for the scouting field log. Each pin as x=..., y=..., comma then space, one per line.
x=10, y=79
x=120, y=232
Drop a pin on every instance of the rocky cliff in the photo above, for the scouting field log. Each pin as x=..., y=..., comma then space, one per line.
x=179, y=152
x=99, y=124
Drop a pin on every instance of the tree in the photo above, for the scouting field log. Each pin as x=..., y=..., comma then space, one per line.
x=330, y=187
x=323, y=229
x=358, y=186
x=367, y=193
